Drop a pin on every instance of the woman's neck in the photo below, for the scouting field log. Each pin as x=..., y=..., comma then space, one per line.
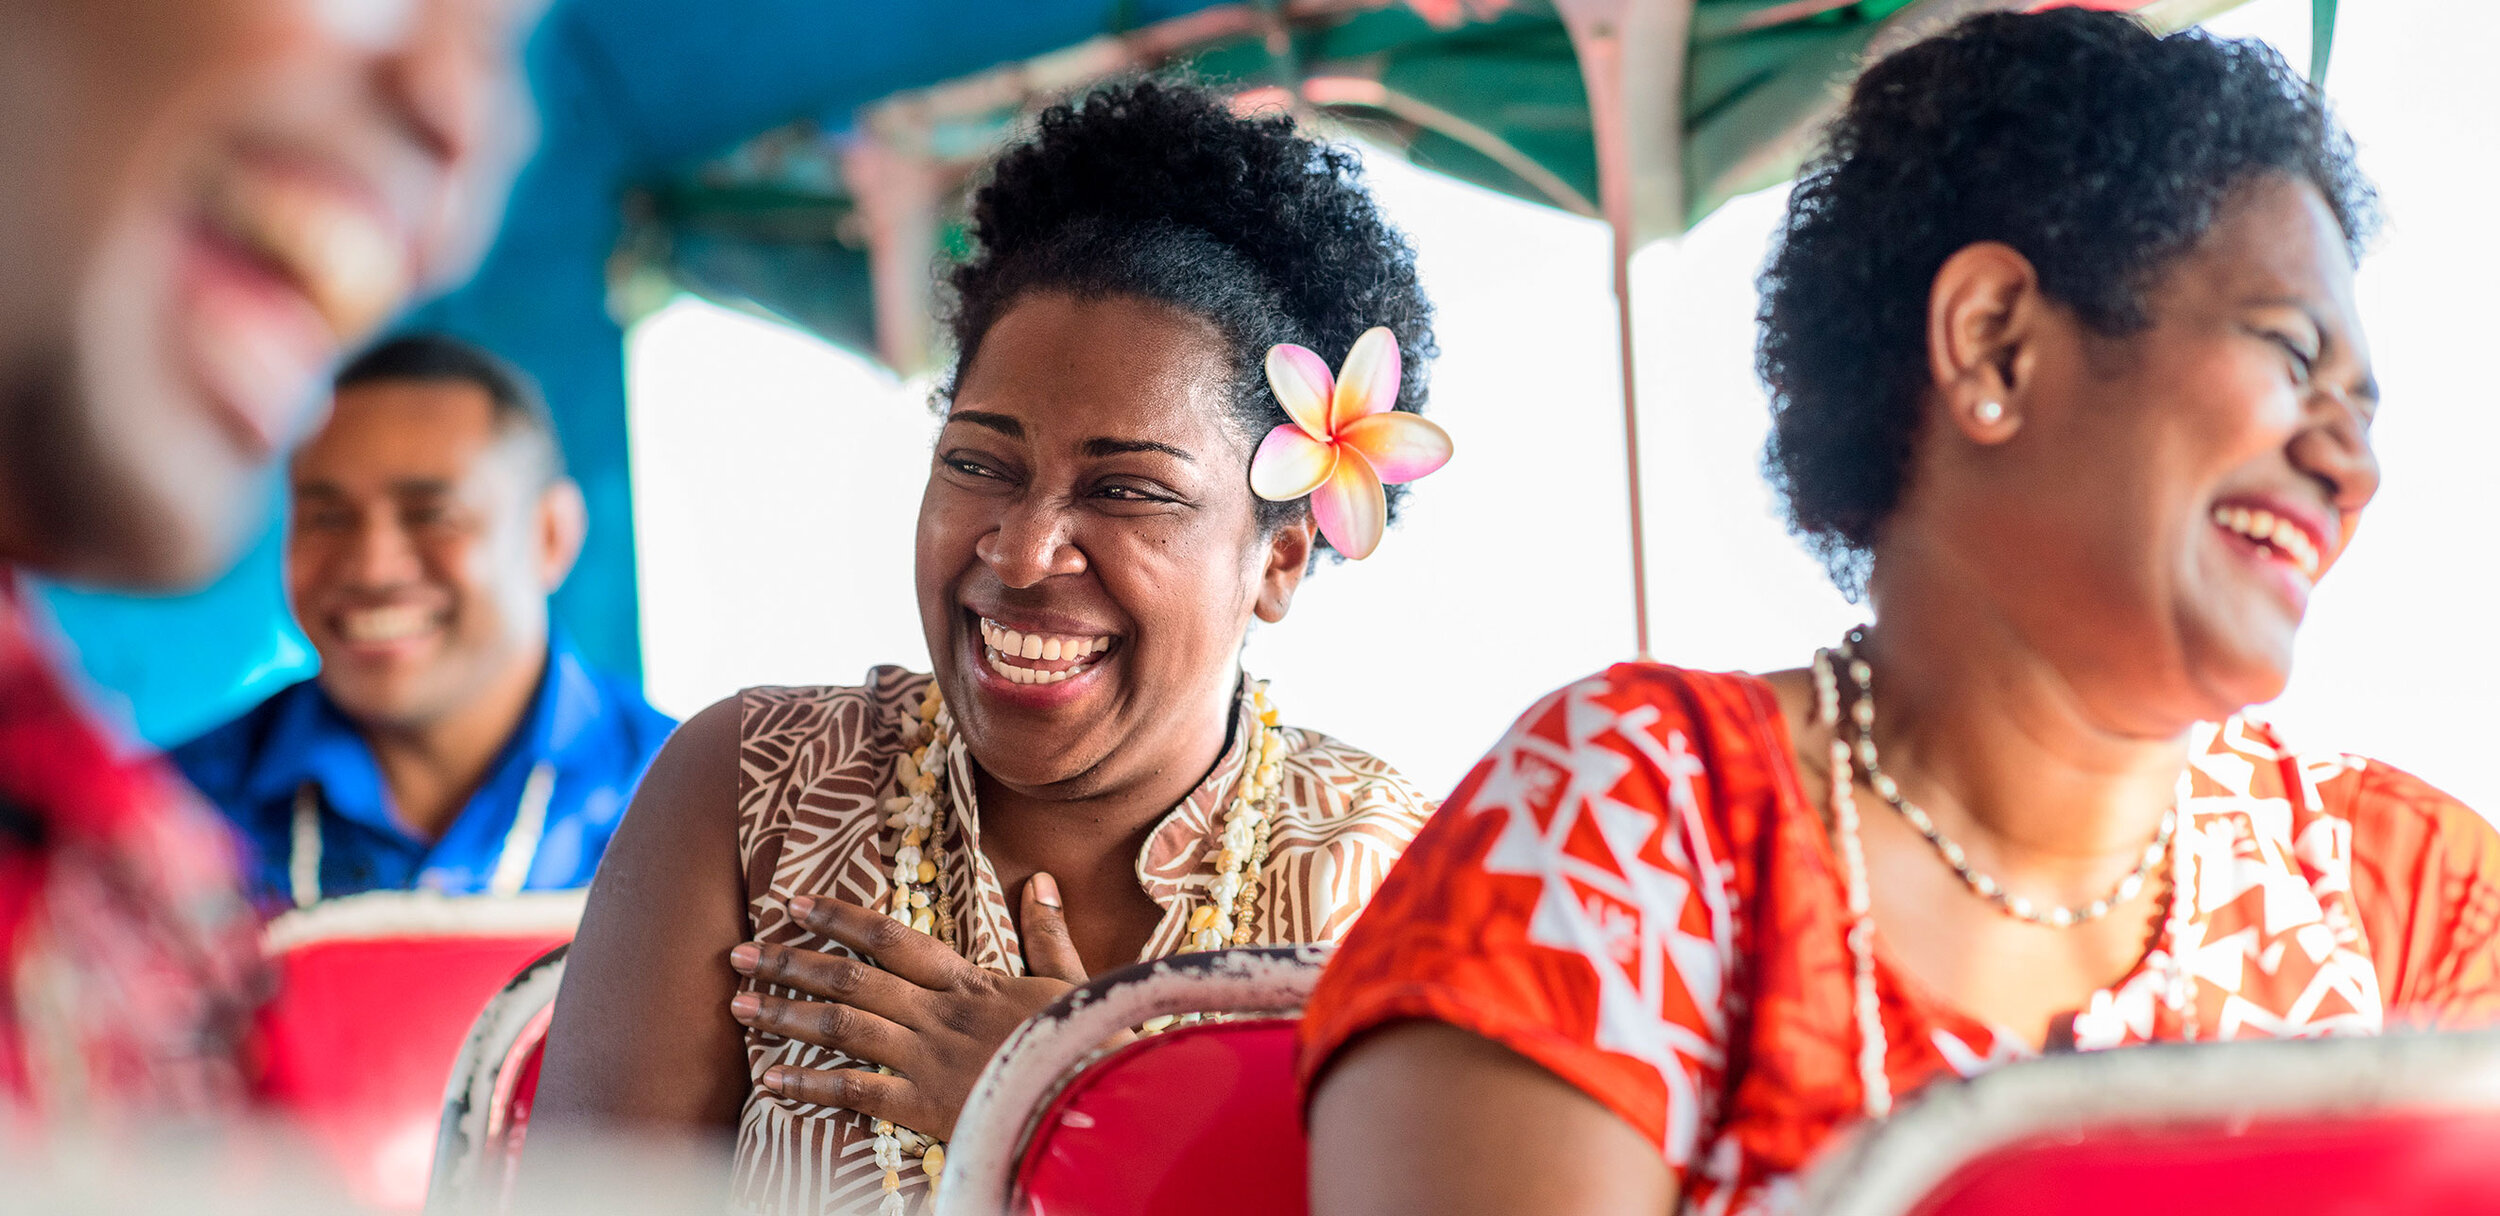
x=1088, y=842
x=1998, y=742
x=1095, y=833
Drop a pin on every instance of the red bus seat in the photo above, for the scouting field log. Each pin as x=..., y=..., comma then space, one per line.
x=1200, y=1119
x=375, y=995
x=2405, y=1123
x=1175, y=1111
x=494, y=1084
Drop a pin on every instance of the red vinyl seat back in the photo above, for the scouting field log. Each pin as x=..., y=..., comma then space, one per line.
x=356, y=1045
x=1197, y=1120
x=2416, y=1163
x=2398, y=1122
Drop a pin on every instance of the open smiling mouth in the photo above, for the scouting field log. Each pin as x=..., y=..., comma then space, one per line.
x=380, y=626
x=2275, y=535
x=324, y=238
x=1040, y=658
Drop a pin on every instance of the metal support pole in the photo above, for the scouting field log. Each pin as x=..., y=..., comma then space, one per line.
x=1632, y=56
x=1632, y=444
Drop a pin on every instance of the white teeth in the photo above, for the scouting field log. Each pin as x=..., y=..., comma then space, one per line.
x=385, y=624
x=353, y=267
x=1001, y=644
x=2274, y=532
x=1025, y=675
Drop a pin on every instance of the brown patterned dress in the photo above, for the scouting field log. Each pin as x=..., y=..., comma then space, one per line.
x=815, y=764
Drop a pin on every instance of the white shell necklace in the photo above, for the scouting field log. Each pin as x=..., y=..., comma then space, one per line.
x=1866, y=1005
x=1985, y=886
x=917, y=817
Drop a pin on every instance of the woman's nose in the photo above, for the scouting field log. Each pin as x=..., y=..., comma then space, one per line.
x=2334, y=447
x=1030, y=545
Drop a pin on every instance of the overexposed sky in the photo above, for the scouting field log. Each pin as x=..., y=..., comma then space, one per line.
x=777, y=478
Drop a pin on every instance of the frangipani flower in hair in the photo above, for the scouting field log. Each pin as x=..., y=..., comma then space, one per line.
x=1345, y=440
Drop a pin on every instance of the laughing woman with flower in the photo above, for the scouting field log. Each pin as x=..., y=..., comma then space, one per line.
x=828, y=906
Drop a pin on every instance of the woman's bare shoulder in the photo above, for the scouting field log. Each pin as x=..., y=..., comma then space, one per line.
x=642, y=1034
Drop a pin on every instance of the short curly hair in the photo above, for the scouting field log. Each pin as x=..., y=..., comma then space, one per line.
x=1156, y=188
x=2096, y=148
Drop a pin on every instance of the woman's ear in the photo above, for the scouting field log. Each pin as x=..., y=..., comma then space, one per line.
x=1288, y=557
x=1983, y=313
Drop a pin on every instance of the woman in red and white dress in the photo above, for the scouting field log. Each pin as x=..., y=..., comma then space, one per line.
x=2067, y=377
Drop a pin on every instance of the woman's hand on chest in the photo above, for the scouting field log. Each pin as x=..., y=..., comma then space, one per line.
x=919, y=1009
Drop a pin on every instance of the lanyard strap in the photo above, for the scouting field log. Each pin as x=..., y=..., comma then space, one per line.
x=529, y=826
x=512, y=862
x=303, y=861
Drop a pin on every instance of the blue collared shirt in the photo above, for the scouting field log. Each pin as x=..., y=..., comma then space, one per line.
x=593, y=733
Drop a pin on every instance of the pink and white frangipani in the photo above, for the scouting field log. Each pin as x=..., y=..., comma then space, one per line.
x=1345, y=440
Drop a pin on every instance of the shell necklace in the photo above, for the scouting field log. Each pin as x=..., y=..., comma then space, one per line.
x=1985, y=886
x=1866, y=1008
x=918, y=815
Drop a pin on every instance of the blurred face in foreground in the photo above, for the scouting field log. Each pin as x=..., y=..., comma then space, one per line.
x=426, y=536
x=202, y=203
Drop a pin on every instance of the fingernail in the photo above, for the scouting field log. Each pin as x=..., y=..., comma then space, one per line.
x=775, y=1078
x=803, y=907
x=1045, y=890
x=745, y=1006
x=744, y=956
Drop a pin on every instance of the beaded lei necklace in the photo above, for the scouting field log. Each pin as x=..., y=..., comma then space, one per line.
x=1848, y=759
x=918, y=817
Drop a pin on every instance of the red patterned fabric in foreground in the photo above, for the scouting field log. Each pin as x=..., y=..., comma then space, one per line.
x=128, y=959
x=1632, y=890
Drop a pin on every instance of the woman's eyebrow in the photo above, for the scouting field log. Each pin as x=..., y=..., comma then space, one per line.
x=1114, y=447
x=1004, y=424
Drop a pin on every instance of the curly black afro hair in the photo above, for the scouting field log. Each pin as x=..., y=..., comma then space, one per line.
x=2097, y=149
x=1155, y=188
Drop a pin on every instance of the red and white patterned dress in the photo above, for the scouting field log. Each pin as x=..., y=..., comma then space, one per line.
x=1633, y=891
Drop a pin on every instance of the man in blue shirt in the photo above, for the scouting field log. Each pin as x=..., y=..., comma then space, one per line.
x=453, y=741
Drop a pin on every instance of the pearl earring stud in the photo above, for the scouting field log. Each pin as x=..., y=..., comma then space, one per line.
x=1989, y=413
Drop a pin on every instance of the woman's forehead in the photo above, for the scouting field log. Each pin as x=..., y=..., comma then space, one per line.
x=2276, y=237
x=1057, y=370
